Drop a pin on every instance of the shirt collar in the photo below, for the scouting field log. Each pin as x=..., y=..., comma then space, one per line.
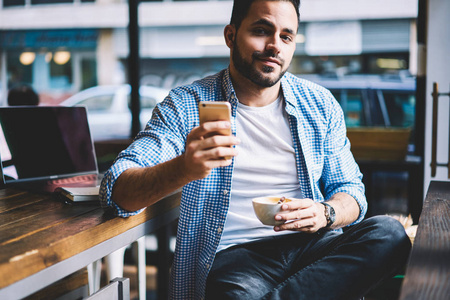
x=286, y=87
x=228, y=89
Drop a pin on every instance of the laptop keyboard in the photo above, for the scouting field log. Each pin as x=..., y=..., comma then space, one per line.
x=76, y=179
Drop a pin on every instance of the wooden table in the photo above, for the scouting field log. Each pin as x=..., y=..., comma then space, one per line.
x=43, y=239
x=428, y=269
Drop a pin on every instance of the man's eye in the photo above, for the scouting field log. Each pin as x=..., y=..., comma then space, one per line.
x=286, y=38
x=259, y=31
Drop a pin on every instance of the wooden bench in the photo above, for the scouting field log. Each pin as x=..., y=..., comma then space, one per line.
x=428, y=270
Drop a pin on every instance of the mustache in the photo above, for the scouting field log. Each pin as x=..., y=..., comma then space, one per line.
x=267, y=55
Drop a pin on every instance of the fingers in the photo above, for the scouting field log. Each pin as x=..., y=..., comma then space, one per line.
x=213, y=154
x=218, y=127
x=297, y=204
x=213, y=148
x=305, y=225
x=300, y=215
x=212, y=135
x=207, y=148
x=220, y=141
x=296, y=209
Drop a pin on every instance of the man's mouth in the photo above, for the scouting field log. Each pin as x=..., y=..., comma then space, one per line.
x=271, y=61
x=267, y=58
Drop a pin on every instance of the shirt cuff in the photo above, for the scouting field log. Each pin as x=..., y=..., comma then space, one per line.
x=107, y=185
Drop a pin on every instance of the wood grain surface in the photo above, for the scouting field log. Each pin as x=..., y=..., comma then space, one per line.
x=428, y=270
x=38, y=230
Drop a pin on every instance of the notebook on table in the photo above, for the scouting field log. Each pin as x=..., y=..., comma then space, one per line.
x=47, y=147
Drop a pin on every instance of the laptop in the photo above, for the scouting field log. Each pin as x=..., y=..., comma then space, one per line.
x=43, y=148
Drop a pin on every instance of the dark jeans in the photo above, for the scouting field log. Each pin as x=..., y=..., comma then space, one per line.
x=323, y=265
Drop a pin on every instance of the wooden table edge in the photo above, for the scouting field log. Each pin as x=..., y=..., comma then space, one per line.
x=50, y=274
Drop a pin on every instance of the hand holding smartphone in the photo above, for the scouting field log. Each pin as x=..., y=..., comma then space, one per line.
x=215, y=111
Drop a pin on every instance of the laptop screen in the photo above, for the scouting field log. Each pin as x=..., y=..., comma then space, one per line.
x=45, y=142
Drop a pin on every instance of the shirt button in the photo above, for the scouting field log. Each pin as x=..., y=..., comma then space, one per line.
x=219, y=230
x=225, y=192
x=207, y=266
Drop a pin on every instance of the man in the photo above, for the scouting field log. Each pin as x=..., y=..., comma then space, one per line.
x=289, y=139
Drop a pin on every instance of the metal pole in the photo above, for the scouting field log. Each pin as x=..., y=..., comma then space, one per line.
x=3, y=79
x=421, y=96
x=434, y=130
x=133, y=66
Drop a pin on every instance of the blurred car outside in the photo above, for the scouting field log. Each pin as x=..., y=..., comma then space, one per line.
x=109, y=111
x=374, y=101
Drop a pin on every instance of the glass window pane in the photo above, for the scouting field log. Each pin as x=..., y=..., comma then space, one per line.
x=400, y=107
x=88, y=73
x=61, y=70
x=33, y=2
x=7, y=3
x=19, y=72
x=352, y=105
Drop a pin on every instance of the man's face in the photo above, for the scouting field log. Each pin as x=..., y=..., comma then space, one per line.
x=264, y=44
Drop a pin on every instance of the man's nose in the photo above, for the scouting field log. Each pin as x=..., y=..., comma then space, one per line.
x=273, y=45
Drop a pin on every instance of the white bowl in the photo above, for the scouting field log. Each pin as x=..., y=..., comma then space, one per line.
x=267, y=207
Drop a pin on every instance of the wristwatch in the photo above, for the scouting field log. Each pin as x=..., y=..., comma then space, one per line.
x=330, y=214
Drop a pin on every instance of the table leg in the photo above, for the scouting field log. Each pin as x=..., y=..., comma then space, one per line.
x=163, y=264
x=94, y=271
x=415, y=194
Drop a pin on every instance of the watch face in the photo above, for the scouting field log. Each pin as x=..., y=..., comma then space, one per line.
x=331, y=213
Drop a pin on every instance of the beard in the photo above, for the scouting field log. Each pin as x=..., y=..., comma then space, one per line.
x=249, y=71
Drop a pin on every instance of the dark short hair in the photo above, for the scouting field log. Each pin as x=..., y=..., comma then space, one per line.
x=241, y=8
x=22, y=95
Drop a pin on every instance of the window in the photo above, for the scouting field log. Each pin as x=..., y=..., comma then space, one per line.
x=351, y=102
x=7, y=3
x=61, y=70
x=400, y=107
x=20, y=69
x=33, y=2
x=88, y=72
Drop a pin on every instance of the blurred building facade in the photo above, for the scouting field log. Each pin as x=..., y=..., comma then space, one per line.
x=63, y=46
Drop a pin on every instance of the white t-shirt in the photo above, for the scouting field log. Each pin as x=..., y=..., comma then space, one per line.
x=264, y=166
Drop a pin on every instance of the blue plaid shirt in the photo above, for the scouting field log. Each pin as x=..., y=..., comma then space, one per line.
x=325, y=166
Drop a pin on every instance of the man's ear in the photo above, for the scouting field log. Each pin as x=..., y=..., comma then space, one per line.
x=230, y=34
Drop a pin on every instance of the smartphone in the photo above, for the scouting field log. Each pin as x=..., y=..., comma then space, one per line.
x=215, y=111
